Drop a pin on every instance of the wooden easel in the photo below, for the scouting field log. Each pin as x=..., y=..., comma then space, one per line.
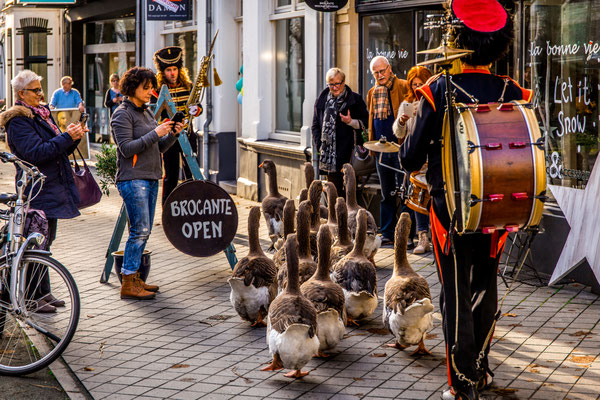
x=165, y=102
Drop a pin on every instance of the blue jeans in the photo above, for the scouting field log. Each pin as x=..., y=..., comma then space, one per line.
x=389, y=181
x=422, y=222
x=140, y=201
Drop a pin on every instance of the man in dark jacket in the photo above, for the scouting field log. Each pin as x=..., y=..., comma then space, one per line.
x=467, y=269
x=339, y=114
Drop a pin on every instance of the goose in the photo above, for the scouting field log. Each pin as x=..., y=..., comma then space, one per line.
x=253, y=282
x=357, y=276
x=314, y=196
x=272, y=205
x=291, y=322
x=289, y=213
x=332, y=195
x=343, y=245
x=373, y=242
x=327, y=297
x=407, y=308
x=306, y=265
x=309, y=177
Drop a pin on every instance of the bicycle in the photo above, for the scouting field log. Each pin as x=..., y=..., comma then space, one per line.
x=30, y=340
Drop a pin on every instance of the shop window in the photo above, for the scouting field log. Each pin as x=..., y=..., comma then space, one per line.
x=36, y=50
x=288, y=5
x=289, y=60
x=188, y=42
x=389, y=35
x=560, y=60
x=110, y=31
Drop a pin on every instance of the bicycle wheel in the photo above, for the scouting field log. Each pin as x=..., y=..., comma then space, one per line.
x=32, y=339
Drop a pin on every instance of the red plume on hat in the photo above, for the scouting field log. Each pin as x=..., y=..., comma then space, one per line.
x=486, y=28
x=480, y=15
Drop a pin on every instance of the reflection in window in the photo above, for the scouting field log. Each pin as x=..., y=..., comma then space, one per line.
x=562, y=65
x=187, y=41
x=391, y=36
x=289, y=55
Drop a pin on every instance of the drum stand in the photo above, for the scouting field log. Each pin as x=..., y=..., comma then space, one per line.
x=518, y=255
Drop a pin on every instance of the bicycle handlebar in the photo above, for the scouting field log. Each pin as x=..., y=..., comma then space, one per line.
x=25, y=166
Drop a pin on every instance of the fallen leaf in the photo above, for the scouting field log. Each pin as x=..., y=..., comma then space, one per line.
x=378, y=331
x=581, y=333
x=509, y=315
x=88, y=368
x=515, y=325
x=47, y=387
x=90, y=316
x=354, y=334
x=502, y=390
x=220, y=317
x=188, y=380
x=379, y=355
x=431, y=336
x=101, y=348
x=533, y=368
x=180, y=366
x=582, y=359
x=248, y=381
x=358, y=379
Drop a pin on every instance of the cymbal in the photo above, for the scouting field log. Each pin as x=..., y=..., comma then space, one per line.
x=443, y=60
x=445, y=50
x=382, y=146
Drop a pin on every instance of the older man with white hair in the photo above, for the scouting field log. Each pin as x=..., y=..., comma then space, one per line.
x=383, y=100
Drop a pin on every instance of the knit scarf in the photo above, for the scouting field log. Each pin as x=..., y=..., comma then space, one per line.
x=381, y=99
x=43, y=113
x=333, y=106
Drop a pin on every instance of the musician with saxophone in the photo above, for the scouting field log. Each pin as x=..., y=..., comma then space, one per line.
x=467, y=270
x=169, y=64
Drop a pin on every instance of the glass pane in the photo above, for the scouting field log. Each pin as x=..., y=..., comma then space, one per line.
x=427, y=38
x=187, y=41
x=42, y=70
x=281, y=3
x=289, y=73
x=562, y=66
x=389, y=35
x=37, y=44
x=112, y=31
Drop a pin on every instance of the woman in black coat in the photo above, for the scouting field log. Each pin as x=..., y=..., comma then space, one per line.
x=339, y=113
x=34, y=136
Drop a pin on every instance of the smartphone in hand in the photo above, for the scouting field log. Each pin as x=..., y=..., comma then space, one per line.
x=177, y=118
x=83, y=119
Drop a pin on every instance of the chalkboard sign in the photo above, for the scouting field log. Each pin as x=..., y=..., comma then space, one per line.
x=326, y=5
x=199, y=218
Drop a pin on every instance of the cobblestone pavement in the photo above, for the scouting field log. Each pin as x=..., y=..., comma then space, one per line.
x=189, y=342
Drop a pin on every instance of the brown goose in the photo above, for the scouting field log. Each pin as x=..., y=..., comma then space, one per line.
x=303, y=195
x=327, y=297
x=292, y=322
x=253, y=283
x=373, y=242
x=407, y=308
x=314, y=196
x=357, y=276
x=289, y=213
x=343, y=245
x=307, y=266
x=309, y=176
x=332, y=195
x=272, y=205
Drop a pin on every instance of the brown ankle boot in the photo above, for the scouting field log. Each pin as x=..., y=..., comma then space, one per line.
x=150, y=288
x=130, y=289
x=424, y=245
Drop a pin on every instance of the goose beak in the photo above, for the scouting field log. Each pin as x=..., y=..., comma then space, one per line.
x=261, y=164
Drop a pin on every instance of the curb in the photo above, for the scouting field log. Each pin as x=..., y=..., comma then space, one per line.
x=67, y=379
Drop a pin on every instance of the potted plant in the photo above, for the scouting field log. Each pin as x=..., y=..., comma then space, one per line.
x=106, y=166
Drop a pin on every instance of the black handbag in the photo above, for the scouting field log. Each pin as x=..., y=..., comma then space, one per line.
x=89, y=191
x=361, y=159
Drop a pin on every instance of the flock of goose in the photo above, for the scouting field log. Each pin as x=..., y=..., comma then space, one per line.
x=314, y=286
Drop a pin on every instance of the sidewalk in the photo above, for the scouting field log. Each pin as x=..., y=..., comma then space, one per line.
x=189, y=343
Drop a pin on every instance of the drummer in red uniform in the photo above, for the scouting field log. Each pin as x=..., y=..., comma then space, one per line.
x=467, y=272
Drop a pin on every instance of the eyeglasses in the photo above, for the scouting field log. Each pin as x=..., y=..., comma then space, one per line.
x=336, y=84
x=36, y=90
x=381, y=71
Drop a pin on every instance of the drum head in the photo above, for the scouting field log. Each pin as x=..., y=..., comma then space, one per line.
x=199, y=218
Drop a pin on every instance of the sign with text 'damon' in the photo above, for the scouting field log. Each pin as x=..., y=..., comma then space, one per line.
x=168, y=10
x=326, y=5
x=200, y=218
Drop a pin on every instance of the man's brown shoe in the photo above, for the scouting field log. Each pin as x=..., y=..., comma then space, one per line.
x=130, y=289
x=43, y=307
x=150, y=288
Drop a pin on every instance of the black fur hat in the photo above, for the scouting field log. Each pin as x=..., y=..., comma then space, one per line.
x=486, y=28
x=168, y=57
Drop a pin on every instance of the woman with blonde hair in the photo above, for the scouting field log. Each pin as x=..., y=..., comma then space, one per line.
x=416, y=77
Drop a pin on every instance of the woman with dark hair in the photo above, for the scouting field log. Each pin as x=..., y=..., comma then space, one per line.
x=403, y=125
x=34, y=136
x=140, y=140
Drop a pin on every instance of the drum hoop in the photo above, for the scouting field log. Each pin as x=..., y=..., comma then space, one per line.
x=539, y=175
x=476, y=170
x=413, y=179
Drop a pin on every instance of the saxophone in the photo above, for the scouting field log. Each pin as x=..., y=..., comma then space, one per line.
x=201, y=82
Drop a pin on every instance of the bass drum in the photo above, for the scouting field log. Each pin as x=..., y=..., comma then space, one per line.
x=501, y=166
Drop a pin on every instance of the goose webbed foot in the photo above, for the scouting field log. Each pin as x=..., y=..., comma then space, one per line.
x=351, y=322
x=275, y=365
x=296, y=374
x=259, y=322
x=421, y=350
x=322, y=354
